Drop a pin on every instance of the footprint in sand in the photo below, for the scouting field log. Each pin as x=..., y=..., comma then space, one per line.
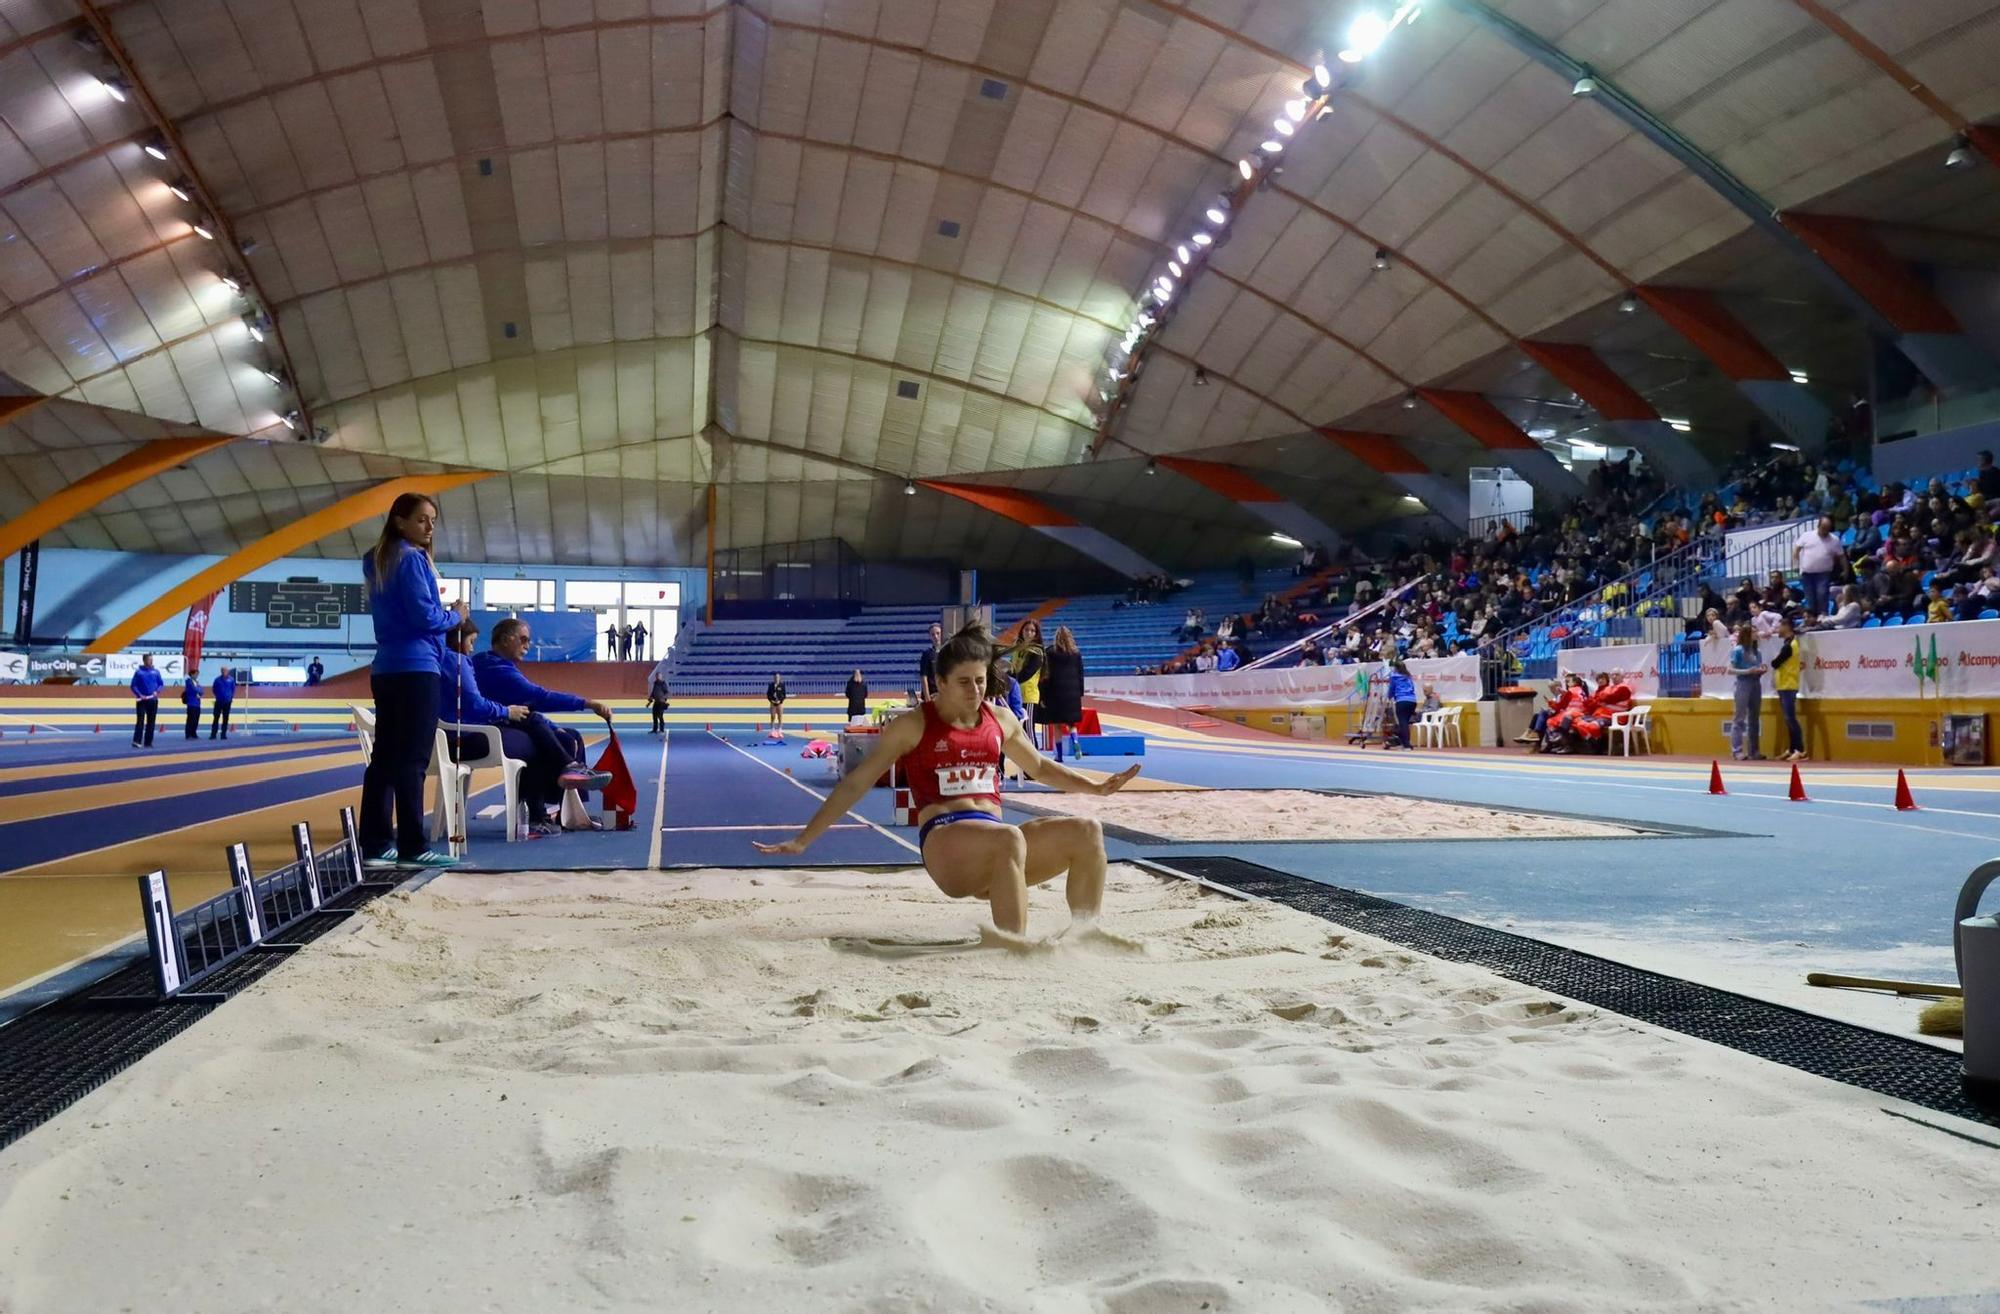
x=792, y=1219
x=1037, y=1218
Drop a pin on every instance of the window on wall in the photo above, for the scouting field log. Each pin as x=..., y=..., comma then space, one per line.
x=520, y=595
x=656, y=604
x=455, y=588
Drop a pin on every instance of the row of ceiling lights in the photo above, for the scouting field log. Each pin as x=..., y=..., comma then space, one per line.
x=1156, y=305
x=255, y=321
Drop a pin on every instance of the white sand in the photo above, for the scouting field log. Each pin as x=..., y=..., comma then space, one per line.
x=552, y=1093
x=1247, y=815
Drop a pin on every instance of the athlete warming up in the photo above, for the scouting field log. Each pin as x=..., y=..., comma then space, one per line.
x=950, y=751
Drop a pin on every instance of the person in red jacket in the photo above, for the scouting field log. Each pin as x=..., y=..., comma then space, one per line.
x=1612, y=696
x=1551, y=726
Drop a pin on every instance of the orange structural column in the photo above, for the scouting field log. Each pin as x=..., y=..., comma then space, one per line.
x=303, y=532
x=135, y=467
x=1480, y=418
x=1714, y=332
x=1378, y=451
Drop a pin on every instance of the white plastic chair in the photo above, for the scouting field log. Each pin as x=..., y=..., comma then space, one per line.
x=364, y=730
x=1627, y=726
x=1446, y=731
x=1425, y=729
x=494, y=756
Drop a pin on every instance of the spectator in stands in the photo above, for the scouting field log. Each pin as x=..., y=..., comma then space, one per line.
x=1403, y=697
x=1062, y=684
x=1191, y=626
x=548, y=766
x=774, y=696
x=146, y=683
x=1936, y=605
x=224, y=690
x=857, y=696
x=1204, y=657
x=1894, y=589
x=1310, y=654
x=1227, y=659
x=927, y=676
x=658, y=697
x=1818, y=556
x=611, y=641
x=1785, y=680
x=314, y=673
x=1986, y=478
x=639, y=640
x=410, y=625
x=1850, y=614
x=1027, y=661
x=500, y=676
x=191, y=699
x=1747, y=667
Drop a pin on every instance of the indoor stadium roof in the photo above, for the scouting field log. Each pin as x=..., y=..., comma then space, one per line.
x=617, y=250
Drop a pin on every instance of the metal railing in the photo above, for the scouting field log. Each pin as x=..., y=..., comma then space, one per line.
x=1480, y=527
x=1326, y=631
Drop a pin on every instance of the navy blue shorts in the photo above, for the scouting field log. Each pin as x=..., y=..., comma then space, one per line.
x=946, y=818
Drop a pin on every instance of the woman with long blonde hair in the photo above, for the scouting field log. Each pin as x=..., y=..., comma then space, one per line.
x=1062, y=685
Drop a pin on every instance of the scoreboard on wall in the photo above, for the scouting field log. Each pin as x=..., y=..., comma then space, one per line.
x=299, y=604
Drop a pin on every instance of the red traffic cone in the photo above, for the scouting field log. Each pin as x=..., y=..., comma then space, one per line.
x=1904, y=803
x=1715, y=778
x=1798, y=793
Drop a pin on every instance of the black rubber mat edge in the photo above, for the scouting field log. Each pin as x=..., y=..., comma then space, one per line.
x=1894, y=1066
x=54, y=1055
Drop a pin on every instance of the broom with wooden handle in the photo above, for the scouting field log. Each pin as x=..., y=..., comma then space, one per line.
x=1946, y=1017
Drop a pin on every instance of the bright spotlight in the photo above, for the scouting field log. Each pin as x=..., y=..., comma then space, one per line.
x=1323, y=76
x=1182, y=252
x=1381, y=260
x=1366, y=33
x=1295, y=110
x=1247, y=169
x=1584, y=87
x=1203, y=239
x=1216, y=214
x=1283, y=126
x=115, y=88
x=1174, y=268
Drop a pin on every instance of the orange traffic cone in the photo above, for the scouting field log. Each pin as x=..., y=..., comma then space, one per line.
x=1798, y=794
x=1904, y=803
x=1715, y=778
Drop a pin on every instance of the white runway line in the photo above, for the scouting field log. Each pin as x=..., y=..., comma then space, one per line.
x=659, y=804
x=816, y=794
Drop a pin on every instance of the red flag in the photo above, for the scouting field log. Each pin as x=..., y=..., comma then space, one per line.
x=197, y=629
x=621, y=794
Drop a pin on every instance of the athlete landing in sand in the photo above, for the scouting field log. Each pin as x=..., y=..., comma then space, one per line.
x=950, y=752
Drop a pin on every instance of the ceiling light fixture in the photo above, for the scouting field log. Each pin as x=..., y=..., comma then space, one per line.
x=1585, y=86
x=1200, y=377
x=1322, y=75
x=1412, y=497
x=1629, y=305
x=230, y=281
x=1961, y=154
x=1203, y=239
x=1284, y=127
x=1217, y=212
x=1270, y=146
x=202, y=229
x=1182, y=252
x=1174, y=268
x=909, y=488
x=275, y=376
x=182, y=189
x=1409, y=401
x=1381, y=260
x=251, y=323
x=1287, y=540
x=115, y=88
x=1786, y=447
x=1365, y=35
x=1152, y=468
x=1679, y=426
x=1295, y=110
x=1247, y=169
x=156, y=146
x=1799, y=376
x=291, y=419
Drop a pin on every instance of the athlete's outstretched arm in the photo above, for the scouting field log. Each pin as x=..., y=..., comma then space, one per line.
x=1044, y=770
x=898, y=737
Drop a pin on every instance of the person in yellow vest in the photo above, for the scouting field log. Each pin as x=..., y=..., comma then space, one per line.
x=1027, y=662
x=1785, y=679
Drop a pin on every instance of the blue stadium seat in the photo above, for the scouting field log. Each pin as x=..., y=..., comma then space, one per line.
x=1889, y=622
x=1872, y=623
x=1989, y=614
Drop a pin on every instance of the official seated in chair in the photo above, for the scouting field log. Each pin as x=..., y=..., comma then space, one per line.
x=525, y=735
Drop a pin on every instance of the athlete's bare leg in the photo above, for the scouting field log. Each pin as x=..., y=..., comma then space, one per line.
x=978, y=859
x=1074, y=845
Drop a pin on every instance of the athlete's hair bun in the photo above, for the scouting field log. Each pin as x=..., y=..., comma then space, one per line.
x=974, y=643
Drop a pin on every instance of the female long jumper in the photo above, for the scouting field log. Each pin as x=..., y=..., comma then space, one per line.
x=950, y=750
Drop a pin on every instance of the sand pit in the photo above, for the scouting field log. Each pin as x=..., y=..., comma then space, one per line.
x=708, y=1093
x=1248, y=815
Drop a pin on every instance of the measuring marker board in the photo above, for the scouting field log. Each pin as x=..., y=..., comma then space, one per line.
x=302, y=843
x=352, y=834
x=161, y=942
x=246, y=890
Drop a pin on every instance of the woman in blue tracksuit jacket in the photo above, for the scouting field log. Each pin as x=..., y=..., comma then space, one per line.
x=146, y=682
x=1403, y=693
x=410, y=623
x=191, y=699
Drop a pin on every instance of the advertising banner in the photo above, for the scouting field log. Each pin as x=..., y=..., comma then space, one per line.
x=24, y=597
x=1884, y=663
x=197, y=629
x=1456, y=679
x=1639, y=661
x=14, y=667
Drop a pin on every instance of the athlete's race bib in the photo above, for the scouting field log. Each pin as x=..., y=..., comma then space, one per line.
x=970, y=778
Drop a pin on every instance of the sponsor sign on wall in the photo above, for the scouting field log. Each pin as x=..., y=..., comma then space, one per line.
x=1883, y=663
x=1639, y=661
x=14, y=666
x=1456, y=680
